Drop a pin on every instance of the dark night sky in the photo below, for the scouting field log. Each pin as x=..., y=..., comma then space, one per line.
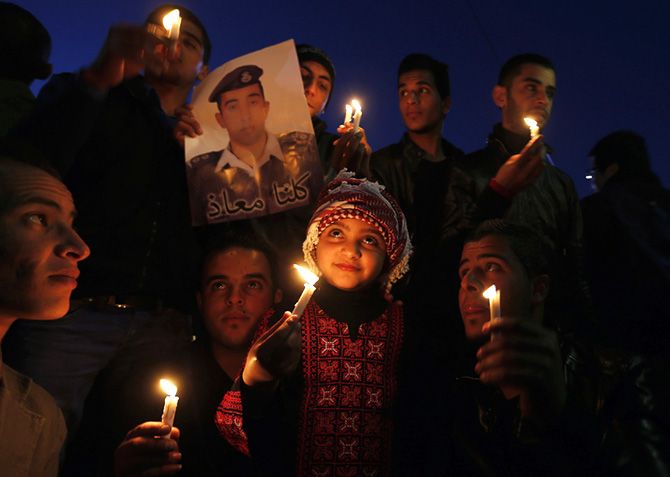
x=611, y=57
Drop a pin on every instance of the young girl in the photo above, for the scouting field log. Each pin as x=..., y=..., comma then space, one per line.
x=324, y=385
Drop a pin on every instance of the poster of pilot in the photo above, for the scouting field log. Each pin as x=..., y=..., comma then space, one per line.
x=257, y=154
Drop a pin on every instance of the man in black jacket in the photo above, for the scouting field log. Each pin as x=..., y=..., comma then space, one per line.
x=108, y=131
x=415, y=169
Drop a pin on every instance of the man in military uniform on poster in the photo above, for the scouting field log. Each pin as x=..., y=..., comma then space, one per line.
x=258, y=173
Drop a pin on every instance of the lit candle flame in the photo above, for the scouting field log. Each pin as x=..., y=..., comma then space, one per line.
x=490, y=292
x=532, y=125
x=168, y=387
x=306, y=275
x=356, y=104
x=170, y=19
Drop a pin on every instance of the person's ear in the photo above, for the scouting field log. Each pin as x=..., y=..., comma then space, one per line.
x=499, y=95
x=219, y=119
x=278, y=296
x=204, y=71
x=540, y=289
x=446, y=105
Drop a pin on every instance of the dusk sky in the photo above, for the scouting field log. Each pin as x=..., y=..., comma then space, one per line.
x=611, y=58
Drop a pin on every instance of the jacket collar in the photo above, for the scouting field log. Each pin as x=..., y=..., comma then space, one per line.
x=414, y=154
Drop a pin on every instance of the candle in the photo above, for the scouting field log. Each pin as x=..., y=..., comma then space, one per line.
x=310, y=280
x=170, y=407
x=357, y=114
x=172, y=23
x=348, y=111
x=494, y=301
x=532, y=125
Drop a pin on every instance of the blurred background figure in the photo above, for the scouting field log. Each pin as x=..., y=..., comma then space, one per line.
x=627, y=244
x=25, y=47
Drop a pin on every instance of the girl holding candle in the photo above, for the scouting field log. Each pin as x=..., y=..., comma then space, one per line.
x=329, y=389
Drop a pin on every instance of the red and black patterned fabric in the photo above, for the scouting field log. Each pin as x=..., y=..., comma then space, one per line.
x=344, y=421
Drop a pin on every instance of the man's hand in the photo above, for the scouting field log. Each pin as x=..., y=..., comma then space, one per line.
x=521, y=170
x=147, y=452
x=123, y=56
x=352, y=151
x=276, y=353
x=186, y=125
x=524, y=356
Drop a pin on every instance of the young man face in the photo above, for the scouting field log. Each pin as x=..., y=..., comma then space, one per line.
x=486, y=262
x=531, y=93
x=188, y=66
x=318, y=85
x=351, y=254
x=236, y=291
x=39, y=249
x=421, y=106
x=243, y=113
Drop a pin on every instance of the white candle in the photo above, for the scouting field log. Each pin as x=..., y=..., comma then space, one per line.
x=532, y=125
x=171, y=400
x=357, y=114
x=348, y=111
x=494, y=301
x=310, y=280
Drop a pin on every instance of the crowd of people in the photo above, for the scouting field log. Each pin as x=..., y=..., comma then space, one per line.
x=397, y=365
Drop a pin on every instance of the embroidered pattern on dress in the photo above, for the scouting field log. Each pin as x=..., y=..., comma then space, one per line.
x=345, y=426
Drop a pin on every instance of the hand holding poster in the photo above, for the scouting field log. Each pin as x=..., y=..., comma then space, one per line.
x=258, y=153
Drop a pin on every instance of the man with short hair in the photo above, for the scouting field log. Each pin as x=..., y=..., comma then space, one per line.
x=238, y=290
x=529, y=413
x=39, y=256
x=513, y=177
x=108, y=131
x=415, y=170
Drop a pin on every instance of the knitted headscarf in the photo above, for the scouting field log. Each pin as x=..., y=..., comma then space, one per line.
x=347, y=197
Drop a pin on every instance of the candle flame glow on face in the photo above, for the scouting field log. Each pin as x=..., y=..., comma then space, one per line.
x=306, y=275
x=168, y=387
x=170, y=19
x=356, y=104
x=490, y=292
